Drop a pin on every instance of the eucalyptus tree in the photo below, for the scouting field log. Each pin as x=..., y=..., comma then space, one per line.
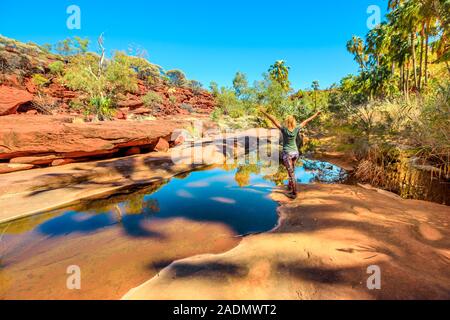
x=240, y=84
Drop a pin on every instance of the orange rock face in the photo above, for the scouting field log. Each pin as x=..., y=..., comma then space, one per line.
x=34, y=160
x=18, y=88
x=10, y=167
x=55, y=140
x=162, y=145
x=132, y=151
x=61, y=162
x=11, y=99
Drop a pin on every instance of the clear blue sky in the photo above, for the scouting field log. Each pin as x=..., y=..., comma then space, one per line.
x=209, y=40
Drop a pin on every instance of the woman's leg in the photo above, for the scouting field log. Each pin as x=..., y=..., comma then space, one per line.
x=294, y=179
x=287, y=161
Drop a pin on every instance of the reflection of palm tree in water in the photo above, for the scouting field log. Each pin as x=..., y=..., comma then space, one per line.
x=243, y=174
x=279, y=177
x=135, y=206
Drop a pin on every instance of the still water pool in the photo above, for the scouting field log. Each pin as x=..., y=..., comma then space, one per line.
x=125, y=238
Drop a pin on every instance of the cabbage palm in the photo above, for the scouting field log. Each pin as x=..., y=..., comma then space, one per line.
x=315, y=86
x=356, y=47
x=279, y=72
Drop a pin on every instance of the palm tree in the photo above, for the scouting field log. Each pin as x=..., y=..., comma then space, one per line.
x=378, y=44
x=315, y=85
x=279, y=72
x=356, y=47
x=413, y=29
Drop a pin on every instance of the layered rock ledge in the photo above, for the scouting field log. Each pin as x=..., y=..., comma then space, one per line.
x=29, y=141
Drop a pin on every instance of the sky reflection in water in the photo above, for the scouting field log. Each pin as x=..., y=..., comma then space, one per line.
x=237, y=196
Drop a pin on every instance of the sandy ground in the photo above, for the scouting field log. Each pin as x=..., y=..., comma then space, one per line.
x=322, y=249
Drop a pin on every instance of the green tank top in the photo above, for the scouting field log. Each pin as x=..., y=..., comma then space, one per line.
x=289, y=139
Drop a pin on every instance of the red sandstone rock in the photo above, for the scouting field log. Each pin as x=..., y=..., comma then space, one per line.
x=179, y=140
x=42, y=160
x=91, y=154
x=162, y=145
x=132, y=103
x=11, y=99
x=31, y=87
x=201, y=101
x=61, y=162
x=36, y=135
x=11, y=167
x=132, y=151
x=141, y=111
x=120, y=115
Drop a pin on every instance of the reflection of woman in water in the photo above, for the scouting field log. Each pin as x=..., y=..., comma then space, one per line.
x=290, y=154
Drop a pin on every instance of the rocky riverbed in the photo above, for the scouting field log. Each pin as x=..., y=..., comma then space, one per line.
x=322, y=249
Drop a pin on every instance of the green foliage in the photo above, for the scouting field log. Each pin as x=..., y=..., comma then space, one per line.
x=214, y=87
x=195, y=86
x=77, y=105
x=240, y=84
x=242, y=101
x=100, y=84
x=421, y=122
x=152, y=99
x=400, y=95
x=144, y=69
x=120, y=74
x=311, y=145
x=176, y=78
x=429, y=129
x=172, y=99
x=84, y=73
x=279, y=73
x=57, y=68
x=188, y=107
x=102, y=107
x=229, y=104
x=72, y=46
x=47, y=47
x=395, y=56
x=39, y=80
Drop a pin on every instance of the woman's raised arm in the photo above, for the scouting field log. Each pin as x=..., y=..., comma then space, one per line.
x=305, y=123
x=273, y=119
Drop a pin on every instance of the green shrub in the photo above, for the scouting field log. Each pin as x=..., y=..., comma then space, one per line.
x=176, y=78
x=72, y=46
x=77, y=105
x=39, y=80
x=120, y=74
x=56, y=68
x=189, y=108
x=172, y=99
x=102, y=84
x=195, y=86
x=84, y=73
x=46, y=47
x=145, y=70
x=152, y=99
x=102, y=107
